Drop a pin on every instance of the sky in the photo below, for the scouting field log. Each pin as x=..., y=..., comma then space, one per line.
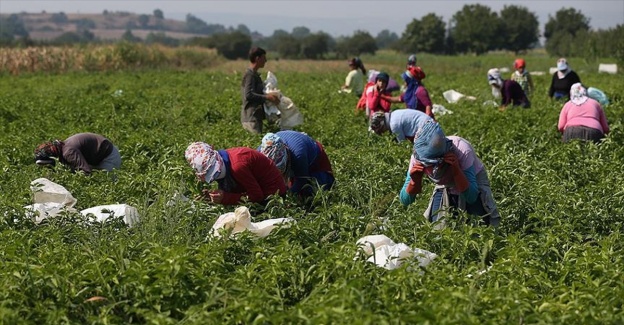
x=335, y=17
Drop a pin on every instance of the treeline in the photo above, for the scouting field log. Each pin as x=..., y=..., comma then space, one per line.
x=474, y=29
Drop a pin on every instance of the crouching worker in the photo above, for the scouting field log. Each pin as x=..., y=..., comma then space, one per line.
x=239, y=172
x=80, y=152
x=301, y=160
x=460, y=177
x=401, y=122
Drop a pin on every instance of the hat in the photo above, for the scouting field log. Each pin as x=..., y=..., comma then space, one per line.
x=206, y=161
x=411, y=60
x=430, y=144
x=382, y=76
x=378, y=122
x=275, y=149
x=562, y=64
x=519, y=63
x=494, y=77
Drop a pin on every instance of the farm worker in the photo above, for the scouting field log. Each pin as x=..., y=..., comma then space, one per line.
x=416, y=95
x=582, y=117
x=509, y=91
x=80, y=152
x=459, y=175
x=354, y=82
x=301, y=160
x=239, y=172
x=522, y=76
x=374, y=100
x=252, y=92
x=402, y=122
x=411, y=61
x=562, y=80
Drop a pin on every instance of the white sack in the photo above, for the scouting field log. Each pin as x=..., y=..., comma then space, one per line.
x=103, y=212
x=240, y=220
x=440, y=110
x=286, y=112
x=537, y=73
x=389, y=255
x=453, y=96
x=608, y=68
x=41, y=211
x=503, y=69
x=48, y=191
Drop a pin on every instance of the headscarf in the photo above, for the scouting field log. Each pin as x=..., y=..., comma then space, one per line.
x=412, y=78
x=519, y=64
x=379, y=122
x=562, y=68
x=206, y=161
x=578, y=94
x=382, y=76
x=411, y=60
x=494, y=77
x=46, y=151
x=275, y=149
x=430, y=144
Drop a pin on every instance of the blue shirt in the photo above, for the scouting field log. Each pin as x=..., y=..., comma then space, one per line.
x=405, y=122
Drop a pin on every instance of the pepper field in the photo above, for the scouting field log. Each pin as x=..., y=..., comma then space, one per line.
x=558, y=256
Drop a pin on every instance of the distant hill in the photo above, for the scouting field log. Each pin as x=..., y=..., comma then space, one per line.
x=104, y=26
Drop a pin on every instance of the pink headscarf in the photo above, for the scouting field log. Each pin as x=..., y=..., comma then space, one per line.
x=206, y=161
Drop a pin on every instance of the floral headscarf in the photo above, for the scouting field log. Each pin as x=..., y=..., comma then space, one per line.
x=379, y=122
x=275, y=149
x=206, y=161
x=430, y=144
x=46, y=151
x=578, y=94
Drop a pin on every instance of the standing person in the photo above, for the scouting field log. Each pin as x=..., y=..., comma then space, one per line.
x=375, y=102
x=404, y=123
x=301, y=160
x=354, y=82
x=522, y=76
x=81, y=152
x=459, y=175
x=562, y=80
x=239, y=172
x=252, y=92
x=509, y=91
x=582, y=117
x=416, y=95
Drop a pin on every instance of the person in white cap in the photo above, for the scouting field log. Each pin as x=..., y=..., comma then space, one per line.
x=562, y=80
x=239, y=172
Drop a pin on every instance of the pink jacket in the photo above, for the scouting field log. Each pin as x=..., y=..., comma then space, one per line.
x=588, y=114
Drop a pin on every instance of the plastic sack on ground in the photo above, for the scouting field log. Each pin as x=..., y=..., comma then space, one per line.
x=286, y=113
x=384, y=252
x=439, y=110
x=240, y=220
x=538, y=73
x=608, y=68
x=103, y=212
x=47, y=191
x=41, y=211
x=453, y=96
x=598, y=95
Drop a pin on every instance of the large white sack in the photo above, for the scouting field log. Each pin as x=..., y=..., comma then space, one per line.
x=389, y=255
x=453, y=96
x=439, y=110
x=608, y=68
x=286, y=112
x=103, y=212
x=41, y=211
x=47, y=191
x=240, y=220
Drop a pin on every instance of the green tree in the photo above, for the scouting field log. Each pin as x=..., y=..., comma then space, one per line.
x=386, y=39
x=159, y=14
x=143, y=20
x=476, y=29
x=300, y=32
x=232, y=46
x=562, y=28
x=198, y=26
x=129, y=37
x=520, y=28
x=361, y=42
x=287, y=46
x=424, y=35
x=243, y=29
x=315, y=46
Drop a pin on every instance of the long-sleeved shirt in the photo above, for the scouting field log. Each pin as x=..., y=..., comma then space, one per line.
x=469, y=163
x=249, y=172
x=82, y=151
x=422, y=99
x=355, y=82
x=252, y=92
x=560, y=87
x=513, y=94
x=588, y=114
x=405, y=122
x=374, y=102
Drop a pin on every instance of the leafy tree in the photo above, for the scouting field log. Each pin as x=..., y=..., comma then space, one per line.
x=476, y=29
x=287, y=46
x=129, y=37
x=161, y=38
x=520, y=28
x=425, y=35
x=315, y=46
x=10, y=27
x=234, y=45
x=361, y=42
x=159, y=14
x=198, y=26
x=563, y=28
x=386, y=39
x=85, y=23
x=300, y=32
x=243, y=29
x=143, y=20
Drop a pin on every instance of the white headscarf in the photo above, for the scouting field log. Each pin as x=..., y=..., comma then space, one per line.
x=578, y=94
x=494, y=78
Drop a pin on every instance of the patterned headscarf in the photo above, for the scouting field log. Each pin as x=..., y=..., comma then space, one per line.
x=206, y=161
x=494, y=77
x=275, y=149
x=578, y=94
x=379, y=122
x=46, y=151
x=430, y=144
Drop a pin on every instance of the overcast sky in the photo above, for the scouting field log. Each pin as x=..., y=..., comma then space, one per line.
x=336, y=17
